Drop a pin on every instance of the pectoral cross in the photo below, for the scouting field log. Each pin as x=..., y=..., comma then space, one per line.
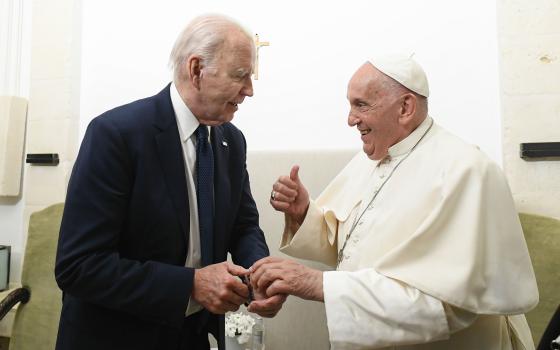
x=341, y=251
x=258, y=44
x=340, y=258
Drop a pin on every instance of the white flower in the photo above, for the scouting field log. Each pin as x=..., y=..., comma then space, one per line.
x=239, y=325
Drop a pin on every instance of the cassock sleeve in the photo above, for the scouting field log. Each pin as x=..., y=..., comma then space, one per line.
x=314, y=239
x=364, y=307
x=365, y=303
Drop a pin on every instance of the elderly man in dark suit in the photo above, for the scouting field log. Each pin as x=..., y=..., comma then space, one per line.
x=159, y=195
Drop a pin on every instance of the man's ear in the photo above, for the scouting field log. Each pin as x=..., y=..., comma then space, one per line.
x=194, y=70
x=407, y=109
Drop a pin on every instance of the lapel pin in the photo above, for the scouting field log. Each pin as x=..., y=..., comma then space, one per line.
x=224, y=143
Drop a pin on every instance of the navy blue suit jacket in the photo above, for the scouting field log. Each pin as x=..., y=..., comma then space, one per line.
x=124, y=234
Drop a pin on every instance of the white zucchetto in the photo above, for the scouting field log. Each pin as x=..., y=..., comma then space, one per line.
x=405, y=70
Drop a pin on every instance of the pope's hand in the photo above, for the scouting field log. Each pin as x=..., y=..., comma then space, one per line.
x=266, y=306
x=218, y=289
x=275, y=276
x=290, y=196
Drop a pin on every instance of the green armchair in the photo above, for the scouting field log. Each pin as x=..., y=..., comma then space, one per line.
x=36, y=322
x=543, y=240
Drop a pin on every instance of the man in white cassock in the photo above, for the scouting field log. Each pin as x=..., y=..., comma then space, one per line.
x=421, y=227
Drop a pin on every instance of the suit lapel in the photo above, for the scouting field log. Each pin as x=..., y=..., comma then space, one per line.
x=170, y=153
x=221, y=189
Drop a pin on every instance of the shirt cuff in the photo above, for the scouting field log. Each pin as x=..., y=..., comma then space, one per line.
x=192, y=307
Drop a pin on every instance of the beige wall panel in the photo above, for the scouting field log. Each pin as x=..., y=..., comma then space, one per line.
x=13, y=112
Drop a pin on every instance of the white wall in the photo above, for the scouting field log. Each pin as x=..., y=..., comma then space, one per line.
x=529, y=33
x=300, y=98
x=15, y=53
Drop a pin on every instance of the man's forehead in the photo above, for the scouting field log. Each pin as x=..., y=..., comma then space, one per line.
x=238, y=40
x=362, y=81
x=364, y=74
x=238, y=56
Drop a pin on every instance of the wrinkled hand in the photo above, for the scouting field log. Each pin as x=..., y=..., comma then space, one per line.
x=282, y=276
x=290, y=196
x=266, y=306
x=218, y=289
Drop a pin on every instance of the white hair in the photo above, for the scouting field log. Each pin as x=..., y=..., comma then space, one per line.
x=204, y=36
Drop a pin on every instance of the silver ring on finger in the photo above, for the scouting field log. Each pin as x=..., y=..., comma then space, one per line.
x=273, y=195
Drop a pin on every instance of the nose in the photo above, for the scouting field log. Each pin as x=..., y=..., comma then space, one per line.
x=247, y=89
x=352, y=119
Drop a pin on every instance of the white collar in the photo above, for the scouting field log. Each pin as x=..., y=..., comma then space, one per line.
x=406, y=144
x=186, y=120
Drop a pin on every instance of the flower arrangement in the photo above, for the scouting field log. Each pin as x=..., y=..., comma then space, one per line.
x=239, y=326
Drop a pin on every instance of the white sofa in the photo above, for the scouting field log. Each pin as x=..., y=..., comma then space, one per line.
x=300, y=324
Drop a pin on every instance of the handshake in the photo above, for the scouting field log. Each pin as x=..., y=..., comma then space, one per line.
x=265, y=286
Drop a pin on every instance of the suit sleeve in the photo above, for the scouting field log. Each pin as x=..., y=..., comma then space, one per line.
x=88, y=264
x=248, y=243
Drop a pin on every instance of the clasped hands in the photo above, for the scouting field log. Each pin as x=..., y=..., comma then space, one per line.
x=219, y=288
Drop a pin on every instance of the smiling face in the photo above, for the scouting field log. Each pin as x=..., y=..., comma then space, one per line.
x=375, y=108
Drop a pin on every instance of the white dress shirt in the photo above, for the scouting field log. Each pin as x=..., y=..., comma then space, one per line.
x=187, y=124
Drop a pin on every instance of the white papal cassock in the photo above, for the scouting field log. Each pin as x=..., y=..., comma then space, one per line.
x=437, y=260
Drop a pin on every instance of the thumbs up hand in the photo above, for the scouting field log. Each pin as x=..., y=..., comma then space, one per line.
x=290, y=196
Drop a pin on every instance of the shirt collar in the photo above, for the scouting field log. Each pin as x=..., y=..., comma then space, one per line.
x=408, y=142
x=186, y=120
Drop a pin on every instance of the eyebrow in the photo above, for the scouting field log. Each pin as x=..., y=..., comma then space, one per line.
x=358, y=100
x=241, y=72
